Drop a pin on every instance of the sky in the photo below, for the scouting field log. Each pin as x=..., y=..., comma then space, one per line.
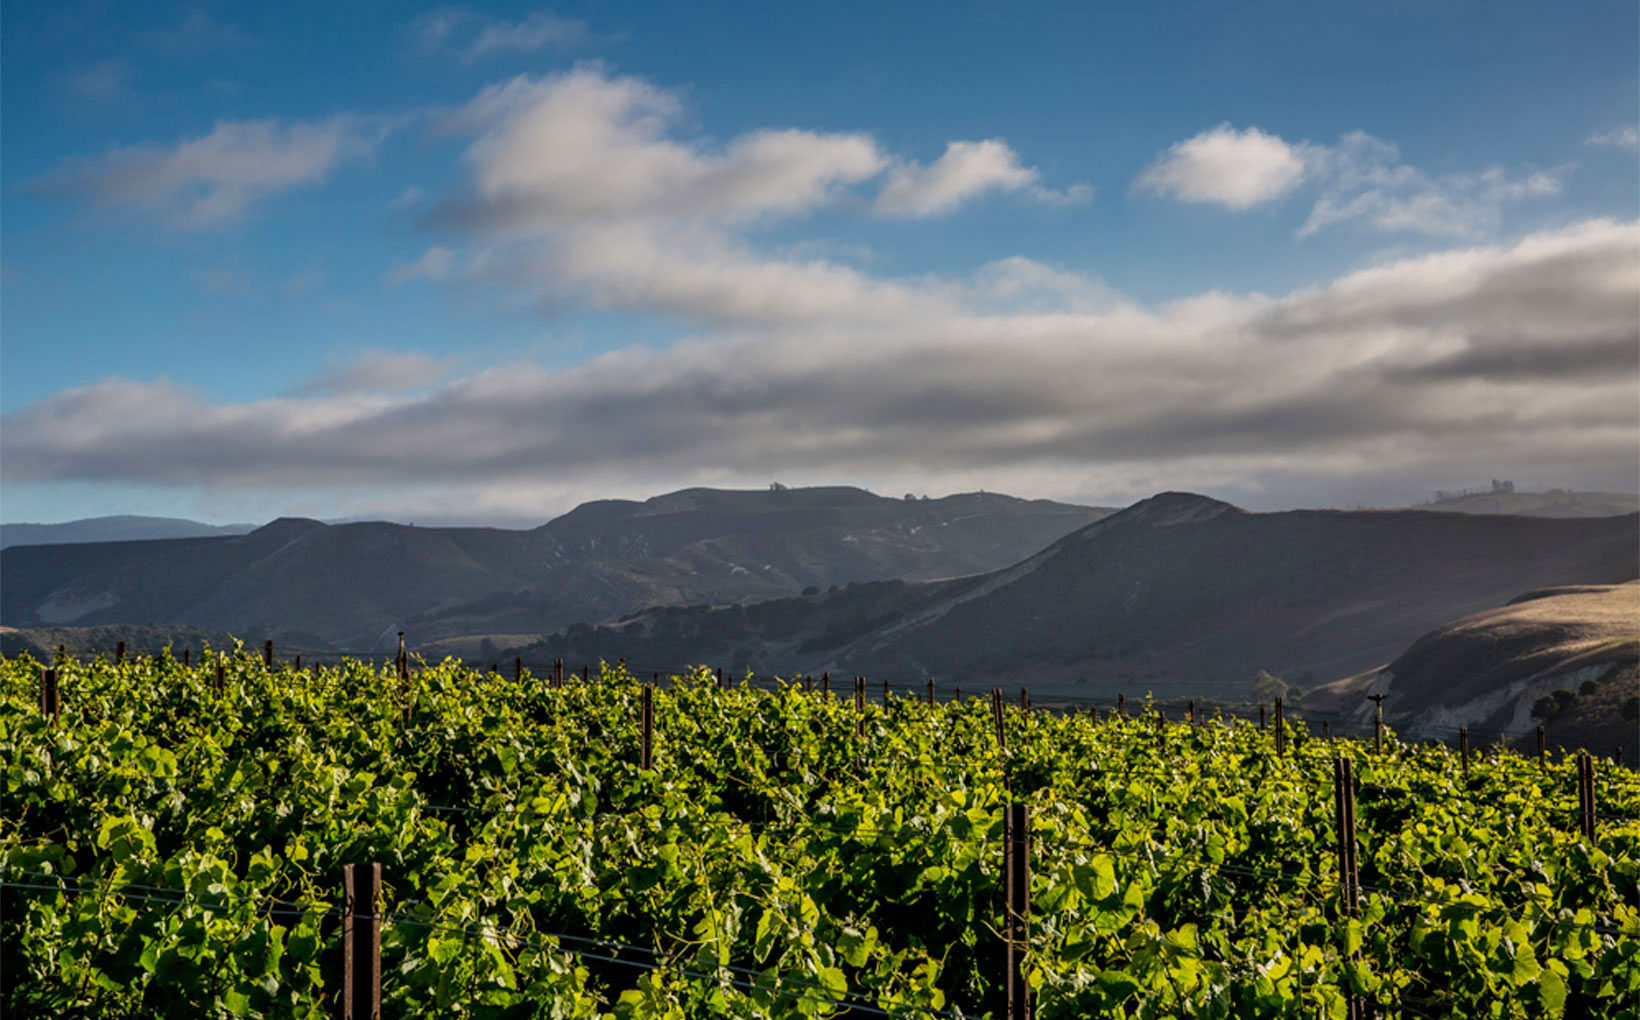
x=480, y=264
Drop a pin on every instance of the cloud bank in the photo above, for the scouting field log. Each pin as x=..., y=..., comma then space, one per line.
x=1482, y=361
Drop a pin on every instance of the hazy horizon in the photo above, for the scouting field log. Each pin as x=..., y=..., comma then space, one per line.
x=438, y=521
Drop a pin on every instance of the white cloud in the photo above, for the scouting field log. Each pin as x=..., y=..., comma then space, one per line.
x=1627, y=137
x=377, y=371
x=582, y=147
x=706, y=276
x=965, y=170
x=474, y=36
x=1519, y=359
x=436, y=263
x=408, y=197
x=1236, y=169
x=583, y=188
x=212, y=179
x=532, y=33
x=1365, y=181
x=1360, y=179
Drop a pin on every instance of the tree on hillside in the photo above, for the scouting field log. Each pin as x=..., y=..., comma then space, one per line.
x=1267, y=687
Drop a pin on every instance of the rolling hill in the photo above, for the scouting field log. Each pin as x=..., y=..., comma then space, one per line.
x=353, y=585
x=1179, y=594
x=1567, y=657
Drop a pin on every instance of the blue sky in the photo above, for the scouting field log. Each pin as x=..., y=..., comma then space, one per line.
x=481, y=263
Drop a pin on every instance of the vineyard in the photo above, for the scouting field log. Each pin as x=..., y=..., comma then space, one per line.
x=175, y=839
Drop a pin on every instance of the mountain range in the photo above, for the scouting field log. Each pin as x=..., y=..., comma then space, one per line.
x=352, y=586
x=118, y=528
x=1179, y=594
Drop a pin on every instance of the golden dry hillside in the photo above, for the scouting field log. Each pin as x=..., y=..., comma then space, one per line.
x=1567, y=658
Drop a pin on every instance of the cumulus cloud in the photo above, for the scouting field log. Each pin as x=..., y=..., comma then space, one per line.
x=1517, y=359
x=965, y=170
x=377, y=371
x=1360, y=179
x=583, y=147
x=583, y=188
x=212, y=179
x=474, y=36
x=1627, y=137
x=1235, y=169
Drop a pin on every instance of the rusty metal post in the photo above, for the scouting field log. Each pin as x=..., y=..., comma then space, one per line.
x=885, y=690
x=1281, y=727
x=1261, y=725
x=119, y=652
x=1463, y=748
x=219, y=680
x=361, y=942
x=1025, y=701
x=518, y=668
x=997, y=718
x=1326, y=730
x=1190, y=711
x=1017, y=865
x=187, y=658
x=267, y=654
x=930, y=690
x=1121, y=704
x=825, y=685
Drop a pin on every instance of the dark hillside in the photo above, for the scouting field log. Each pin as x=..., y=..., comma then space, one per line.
x=1179, y=594
x=354, y=585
